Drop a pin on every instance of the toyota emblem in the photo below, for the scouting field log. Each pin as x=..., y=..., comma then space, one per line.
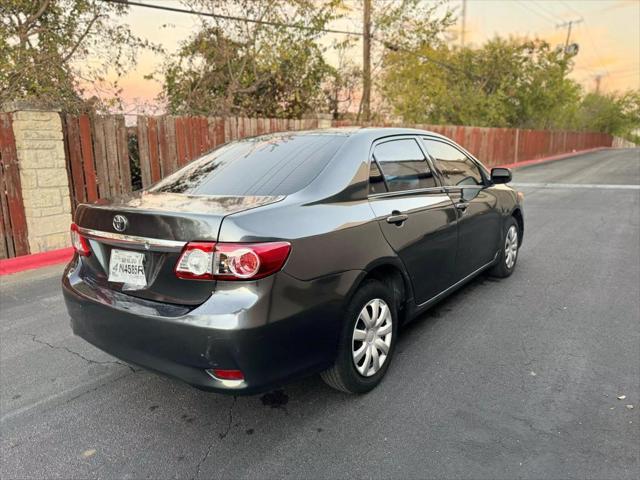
x=120, y=223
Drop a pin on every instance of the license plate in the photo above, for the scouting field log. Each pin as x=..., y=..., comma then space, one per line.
x=127, y=267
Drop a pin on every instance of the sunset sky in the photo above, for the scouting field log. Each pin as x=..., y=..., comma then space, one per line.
x=609, y=36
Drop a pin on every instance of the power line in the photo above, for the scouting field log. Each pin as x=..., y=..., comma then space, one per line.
x=544, y=9
x=569, y=7
x=281, y=24
x=230, y=17
x=587, y=32
x=543, y=16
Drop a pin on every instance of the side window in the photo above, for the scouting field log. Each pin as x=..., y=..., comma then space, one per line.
x=403, y=165
x=376, y=182
x=455, y=166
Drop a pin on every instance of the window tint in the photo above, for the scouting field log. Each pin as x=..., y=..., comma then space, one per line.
x=278, y=165
x=455, y=166
x=403, y=165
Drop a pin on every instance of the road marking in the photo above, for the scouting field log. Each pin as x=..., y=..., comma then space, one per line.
x=601, y=186
x=71, y=394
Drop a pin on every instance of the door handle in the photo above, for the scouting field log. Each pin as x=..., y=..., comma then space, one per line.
x=397, y=218
x=462, y=206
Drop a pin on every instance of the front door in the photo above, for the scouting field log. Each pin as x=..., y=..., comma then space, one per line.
x=416, y=215
x=478, y=218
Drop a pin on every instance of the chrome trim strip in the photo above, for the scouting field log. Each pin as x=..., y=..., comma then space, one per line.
x=402, y=193
x=132, y=241
x=459, y=282
x=456, y=188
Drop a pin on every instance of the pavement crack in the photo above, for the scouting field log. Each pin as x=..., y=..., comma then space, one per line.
x=528, y=359
x=79, y=355
x=226, y=432
x=221, y=435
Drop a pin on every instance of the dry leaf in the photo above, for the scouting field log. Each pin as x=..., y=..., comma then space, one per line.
x=89, y=453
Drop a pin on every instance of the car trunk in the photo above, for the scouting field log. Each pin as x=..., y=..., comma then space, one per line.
x=157, y=227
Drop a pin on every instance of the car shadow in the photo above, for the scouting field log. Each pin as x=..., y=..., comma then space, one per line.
x=301, y=397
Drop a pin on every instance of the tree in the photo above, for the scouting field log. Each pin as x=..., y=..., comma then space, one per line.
x=405, y=25
x=271, y=68
x=504, y=83
x=45, y=46
x=343, y=81
x=615, y=114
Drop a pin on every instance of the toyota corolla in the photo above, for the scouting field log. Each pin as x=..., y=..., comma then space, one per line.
x=285, y=255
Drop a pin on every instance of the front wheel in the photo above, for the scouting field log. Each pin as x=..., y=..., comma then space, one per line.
x=367, y=340
x=509, y=252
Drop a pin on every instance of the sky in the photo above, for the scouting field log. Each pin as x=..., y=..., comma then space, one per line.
x=608, y=37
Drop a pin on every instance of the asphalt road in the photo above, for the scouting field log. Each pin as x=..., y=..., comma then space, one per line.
x=516, y=378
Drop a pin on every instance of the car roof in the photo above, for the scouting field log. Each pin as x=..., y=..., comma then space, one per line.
x=357, y=131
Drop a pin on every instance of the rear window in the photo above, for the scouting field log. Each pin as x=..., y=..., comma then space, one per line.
x=278, y=165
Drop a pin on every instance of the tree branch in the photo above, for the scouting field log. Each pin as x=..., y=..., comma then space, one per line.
x=73, y=50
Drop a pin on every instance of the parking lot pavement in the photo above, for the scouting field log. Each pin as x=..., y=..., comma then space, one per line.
x=504, y=379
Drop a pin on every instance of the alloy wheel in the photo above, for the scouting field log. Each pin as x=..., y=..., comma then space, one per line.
x=511, y=247
x=372, y=337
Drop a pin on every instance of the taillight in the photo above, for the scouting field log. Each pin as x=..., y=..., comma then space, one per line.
x=231, y=261
x=196, y=261
x=79, y=243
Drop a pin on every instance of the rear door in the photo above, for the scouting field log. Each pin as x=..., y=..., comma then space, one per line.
x=416, y=216
x=476, y=206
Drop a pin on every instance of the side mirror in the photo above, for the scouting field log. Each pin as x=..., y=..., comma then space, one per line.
x=500, y=175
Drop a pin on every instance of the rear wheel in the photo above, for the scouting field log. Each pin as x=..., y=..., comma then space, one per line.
x=367, y=340
x=509, y=252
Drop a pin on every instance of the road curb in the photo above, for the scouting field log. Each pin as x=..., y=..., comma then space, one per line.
x=551, y=158
x=35, y=260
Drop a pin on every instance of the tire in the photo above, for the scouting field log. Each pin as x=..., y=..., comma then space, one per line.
x=346, y=375
x=509, y=250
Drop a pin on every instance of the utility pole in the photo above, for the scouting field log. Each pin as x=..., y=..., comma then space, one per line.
x=568, y=24
x=464, y=22
x=366, y=62
x=598, y=78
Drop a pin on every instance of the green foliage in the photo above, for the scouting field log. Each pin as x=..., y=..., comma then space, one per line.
x=505, y=83
x=251, y=69
x=610, y=113
x=46, y=45
x=404, y=26
x=134, y=160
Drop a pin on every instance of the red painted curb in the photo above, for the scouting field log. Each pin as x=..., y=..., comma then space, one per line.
x=35, y=260
x=552, y=158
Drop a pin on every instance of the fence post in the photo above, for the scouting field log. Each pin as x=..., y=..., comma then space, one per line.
x=13, y=224
x=515, y=154
x=43, y=176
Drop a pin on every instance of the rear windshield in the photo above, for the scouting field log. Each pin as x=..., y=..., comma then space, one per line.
x=278, y=165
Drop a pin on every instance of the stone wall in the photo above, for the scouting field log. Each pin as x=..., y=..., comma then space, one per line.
x=43, y=173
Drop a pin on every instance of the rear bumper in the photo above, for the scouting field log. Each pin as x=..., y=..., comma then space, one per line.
x=273, y=330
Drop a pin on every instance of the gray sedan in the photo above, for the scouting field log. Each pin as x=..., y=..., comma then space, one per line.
x=284, y=255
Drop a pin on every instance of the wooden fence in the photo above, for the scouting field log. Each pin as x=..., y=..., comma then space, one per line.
x=13, y=223
x=99, y=159
x=97, y=151
x=500, y=146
